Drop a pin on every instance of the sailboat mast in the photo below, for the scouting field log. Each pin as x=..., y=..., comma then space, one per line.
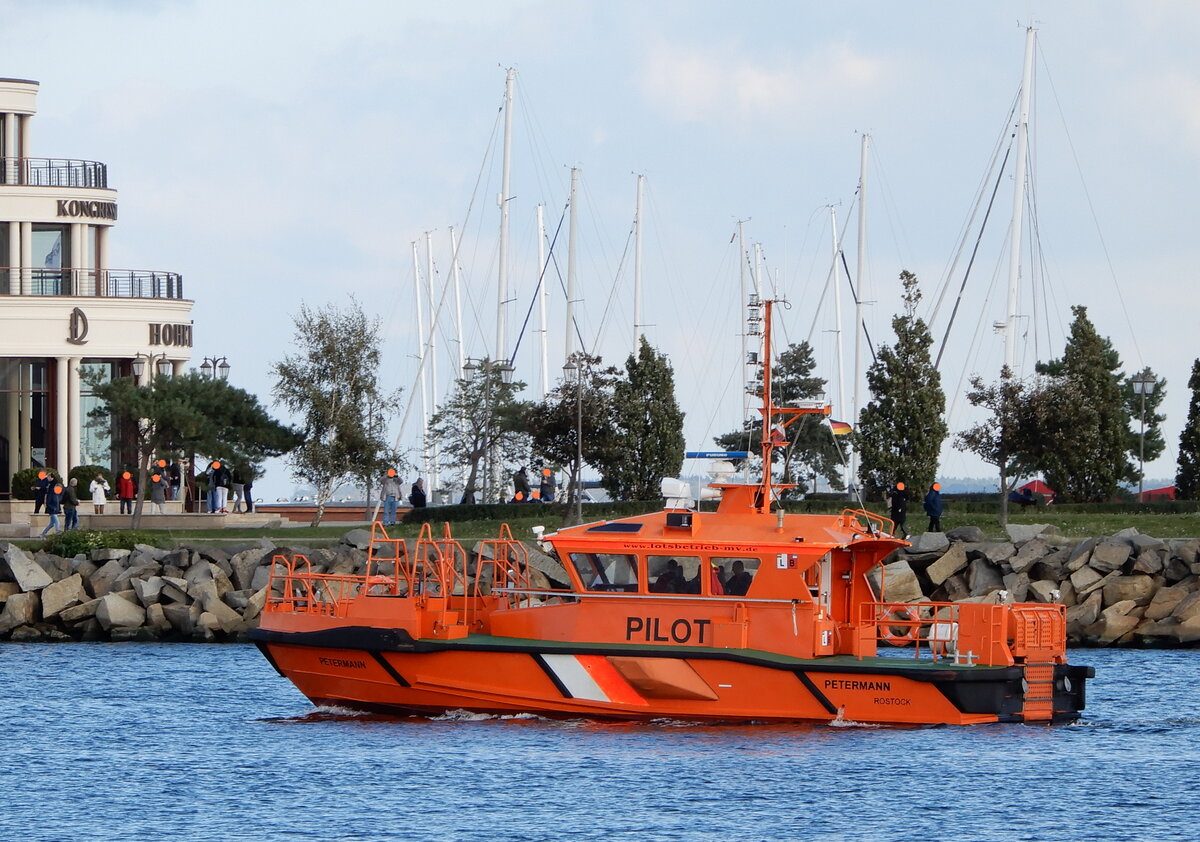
x=457, y=299
x=637, y=266
x=837, y=311
x=858, y=302
x=502, y=285
x=570, y=349
x=431, y=474
x=1014, y=260
x=543, y=293
x=421, y=362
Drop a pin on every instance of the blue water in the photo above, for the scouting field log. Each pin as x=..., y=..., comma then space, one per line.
x=191, y=742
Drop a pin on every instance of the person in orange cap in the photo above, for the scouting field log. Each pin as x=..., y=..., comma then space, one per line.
x=898, y=508
x=933, y=507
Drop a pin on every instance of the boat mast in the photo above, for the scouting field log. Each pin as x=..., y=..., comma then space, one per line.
x=768, y=423
x=1014, y=260
x=543, y=293
x=858, y=305
x=570, y=349
x=431, y=469
x=837, y=315
x=502, y=286
x=454, y=270
x=637, y=266
x=421, y=363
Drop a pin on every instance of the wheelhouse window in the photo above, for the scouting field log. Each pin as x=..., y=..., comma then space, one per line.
x=673, y=574
x=736, y=573
x=606, y=571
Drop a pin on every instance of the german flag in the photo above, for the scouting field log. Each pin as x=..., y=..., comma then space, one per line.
x=840, y=428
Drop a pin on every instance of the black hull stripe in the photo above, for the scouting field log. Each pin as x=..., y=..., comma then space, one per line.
x=389, y=669
x=820, y=697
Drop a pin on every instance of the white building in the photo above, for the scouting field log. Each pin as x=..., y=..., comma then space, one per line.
x=63, y=310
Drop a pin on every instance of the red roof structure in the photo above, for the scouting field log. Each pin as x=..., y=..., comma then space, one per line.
x=1167, y=492
x=1039, y=487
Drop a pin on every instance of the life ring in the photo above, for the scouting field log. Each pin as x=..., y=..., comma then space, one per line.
x=908, y=614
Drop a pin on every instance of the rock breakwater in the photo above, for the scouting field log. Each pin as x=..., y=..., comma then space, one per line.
x=1127, y=589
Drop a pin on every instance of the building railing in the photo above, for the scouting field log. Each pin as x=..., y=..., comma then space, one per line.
x=101, y=283
x=53, y=172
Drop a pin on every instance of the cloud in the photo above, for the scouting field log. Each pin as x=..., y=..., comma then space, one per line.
x=695, y=85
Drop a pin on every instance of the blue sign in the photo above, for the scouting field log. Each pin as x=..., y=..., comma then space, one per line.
x=717, y=454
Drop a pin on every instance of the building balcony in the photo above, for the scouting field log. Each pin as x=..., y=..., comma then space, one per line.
x=53, y=172
x=92, y=283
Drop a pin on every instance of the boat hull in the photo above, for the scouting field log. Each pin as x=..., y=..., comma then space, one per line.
x=386, y=671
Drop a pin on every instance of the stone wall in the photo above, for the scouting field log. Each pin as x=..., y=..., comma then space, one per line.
x=1127, y=590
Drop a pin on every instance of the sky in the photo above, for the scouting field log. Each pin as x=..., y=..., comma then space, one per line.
x=276, y=153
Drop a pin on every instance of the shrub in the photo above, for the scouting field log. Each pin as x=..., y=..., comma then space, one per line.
x=69, y=544
x=86, y=473
x=22, y=483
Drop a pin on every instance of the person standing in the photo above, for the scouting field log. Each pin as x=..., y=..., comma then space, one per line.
x=159, y=487
x=53, y=508
x=98, y=488
x=222, y=479
x=174, y=479
x=521, y=486
x=898, y=507
x=239, y=490
x=248, y=491
x=70, y=505
x=417, y=496
x=390, y=492
x=933, y=507
x=125, y=492
x=547, y=487
x=40, y=486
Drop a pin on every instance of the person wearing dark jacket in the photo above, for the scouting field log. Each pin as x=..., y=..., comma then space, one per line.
x=933, y=507
x=53, y=508
x=40, y=487
x=417, y=497
x=70, y=504
x=898, y=507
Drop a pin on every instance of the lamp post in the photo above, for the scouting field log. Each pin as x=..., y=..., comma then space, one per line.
x=215, y=366
x=1143, y=384
x=159, y=362
x=573, y=373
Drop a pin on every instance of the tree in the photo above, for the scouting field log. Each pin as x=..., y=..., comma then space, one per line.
x=1187, y=478
x=586, y=407
x=1087, y=460
x=647, y=443
x=1001, y=440
x=809, y=441
x=331, y=385
x=189, y=414
x=481, y=417
x=901, y=429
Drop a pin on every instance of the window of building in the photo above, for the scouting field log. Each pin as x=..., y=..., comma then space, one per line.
x=24, y=417
x=606, y=571
x=736, y=573
x=95, y=439
x=7, y=285
x=51, y=257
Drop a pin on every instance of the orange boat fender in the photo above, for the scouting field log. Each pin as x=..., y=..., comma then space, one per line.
x=887, y=633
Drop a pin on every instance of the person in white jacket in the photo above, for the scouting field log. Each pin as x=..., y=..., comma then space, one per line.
x=98, y=488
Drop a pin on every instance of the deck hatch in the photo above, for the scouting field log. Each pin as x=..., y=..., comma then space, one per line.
x=616, y=527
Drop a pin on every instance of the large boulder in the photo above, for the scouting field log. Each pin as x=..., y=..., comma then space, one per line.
x=1138, y=589
x=1083, y=578
x=1164, y=602
x=114, y=611
x=983, y=578
x=930, y=542
x=1186, y=550
x=954, y=560
x=1115, y=622
x=1188, y=631
x=1083, y=615
x=900, y=583
x=1017, y=585
x=245, y=564
x=81, y=613
x=1030, y=552
x=968, y=534
x=1043, y=590
x=101, y=582
x=1081, y=554
x=59, y=596
x=1019, y=533
x=995, y=552
x=1109, y=554
x=19, y=610
x=1149, y=561
x=148, y=590
x=360, y=539
x=1053, y=565
x=25, y=571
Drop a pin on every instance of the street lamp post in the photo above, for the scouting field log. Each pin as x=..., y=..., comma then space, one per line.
x=1143, y=384
x=159, y=362
x=573, y=372
x=215, y=366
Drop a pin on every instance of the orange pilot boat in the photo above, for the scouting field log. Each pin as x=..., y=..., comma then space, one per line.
x=746, y=613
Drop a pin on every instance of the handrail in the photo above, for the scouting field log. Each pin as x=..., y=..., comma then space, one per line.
x=850, y=517
x=99, y=283
x=53, y=172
